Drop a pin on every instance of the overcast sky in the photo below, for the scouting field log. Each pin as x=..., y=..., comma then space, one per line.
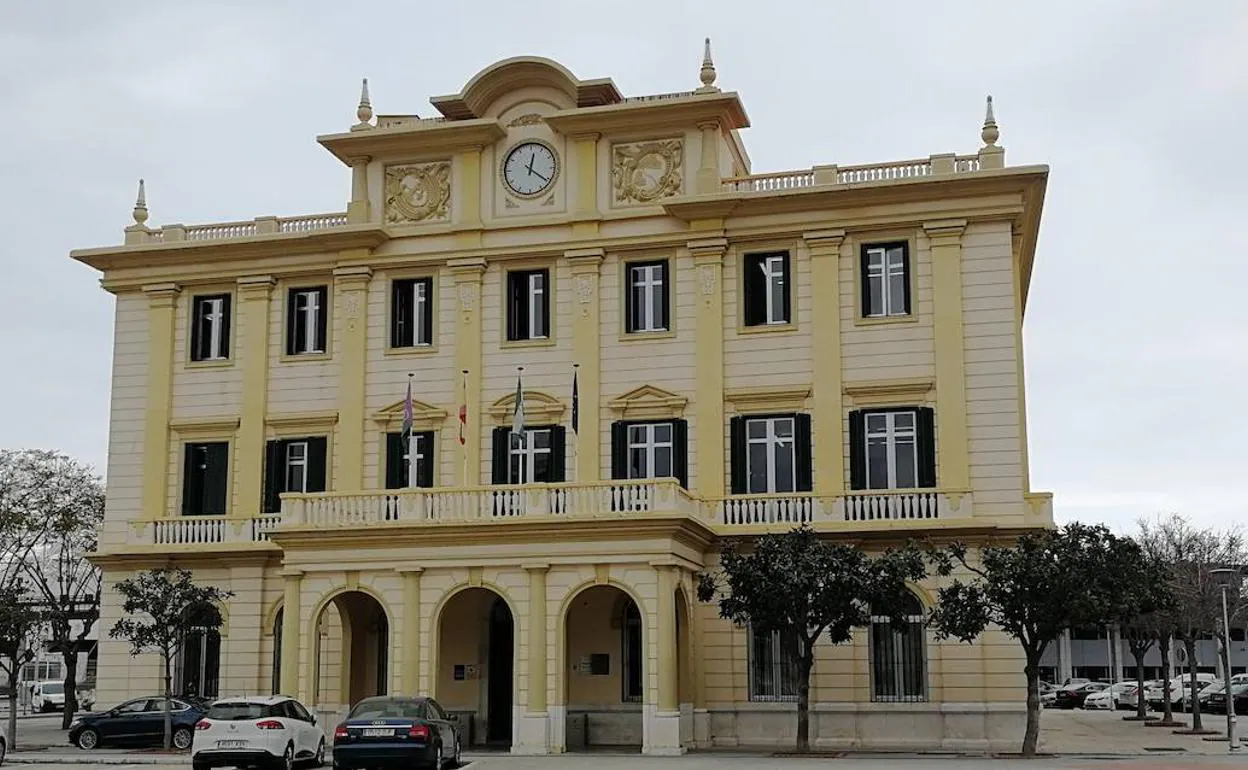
x=1136, y=352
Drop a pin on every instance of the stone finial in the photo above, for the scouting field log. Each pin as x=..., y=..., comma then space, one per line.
x=364, y=112
x=140, y=205
x=990, y=134
x=707, y=74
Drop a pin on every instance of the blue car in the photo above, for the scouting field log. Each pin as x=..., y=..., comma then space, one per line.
x=138, y=722
x=396, y=731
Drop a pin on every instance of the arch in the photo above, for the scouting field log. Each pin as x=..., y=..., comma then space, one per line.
x=271, y=615
x=684, y=648
x=518, y=72
x=334, y=593
x=440, y=606
x=347, y=681
x=541, y=407
x=898, y=659
x=927, y=599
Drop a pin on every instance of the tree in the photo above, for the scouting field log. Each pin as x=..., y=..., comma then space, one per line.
x=797, y=583
x=57, y=569
x=30, y=483
x=1050, y=580
x=1191, y=555
x=1146, y=597
x=20, y=630
x=174, y=605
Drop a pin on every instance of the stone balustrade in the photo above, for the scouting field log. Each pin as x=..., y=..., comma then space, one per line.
x=203, y=530
x=864, y=506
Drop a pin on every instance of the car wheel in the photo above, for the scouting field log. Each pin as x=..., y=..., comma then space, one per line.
x=288, y=759
x=457, y=760
x=201, y=766
x=88, y=739
x=319, y=759
x=182, y=738
x=437, y=757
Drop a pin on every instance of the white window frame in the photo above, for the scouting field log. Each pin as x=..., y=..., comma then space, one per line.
x=883, y=264
x=651, y=445
x=537, y=293
x=774, y=277
x=882, y=624
x=301, y=462
x=212, y=309
x=420, y=298
x=777, y=669
x=648, y=278
x=308, y=304
x=893, y=437
x=528, y=450
x=774, y=442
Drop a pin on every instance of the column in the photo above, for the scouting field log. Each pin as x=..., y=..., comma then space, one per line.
x=292, y=623
x=468, y=274
x=585, y=214
x=351, y=307
x=466, y=191
x=664, y=733
x=533, y=733
x=701, y=715
x=254, y=294
x=1065, y=664
x=953, y=459
x=358, y=210
x=162, y=303
x=708, y=260
x=707, y=180
x=586, y=344
x=829, y=451
x=410, y=639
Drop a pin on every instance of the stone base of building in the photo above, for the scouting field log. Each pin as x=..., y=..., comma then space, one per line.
x=532, y=733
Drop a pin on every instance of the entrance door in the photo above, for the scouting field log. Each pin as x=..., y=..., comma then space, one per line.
x=498, y=719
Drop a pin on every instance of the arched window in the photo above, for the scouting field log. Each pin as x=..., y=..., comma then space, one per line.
x=899, y=656
x=199, y=666
x=277, y=652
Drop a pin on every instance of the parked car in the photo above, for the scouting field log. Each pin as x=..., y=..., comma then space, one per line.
x=1072, y=696
x=401, y=731
x=1216, y=703
x=259, y=730
x=48, y=696
x=138, y=722
x=1118, y=696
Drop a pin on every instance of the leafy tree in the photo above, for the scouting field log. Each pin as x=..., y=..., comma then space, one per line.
x=1049, y=580
x=174, y=605
x=797, y=583
x=20, y=631
x=1146, y=593
x=32, y=485
x=1191, y=555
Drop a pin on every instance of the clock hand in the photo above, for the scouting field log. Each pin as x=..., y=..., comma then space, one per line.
x=532, y=158
x=538, y=175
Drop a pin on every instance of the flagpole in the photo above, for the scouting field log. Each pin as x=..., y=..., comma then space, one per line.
x=411, y=435
x=576, y=433
x=517, y=423
x=463, y=420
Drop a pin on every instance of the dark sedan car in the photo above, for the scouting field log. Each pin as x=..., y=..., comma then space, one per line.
x=1072, y=696
x=138, y=722
x=1217, y=700
x=396, y=731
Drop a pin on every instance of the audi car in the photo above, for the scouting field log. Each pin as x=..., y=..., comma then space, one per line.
x=395, y=731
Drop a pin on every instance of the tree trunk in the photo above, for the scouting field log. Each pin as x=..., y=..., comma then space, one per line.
x=168, y=704
x=1141, y=707
x=12, y=731
x=805, y=664
x=1031, y=737
x=1163, y=646
x=70, y=656
x=1190, y=644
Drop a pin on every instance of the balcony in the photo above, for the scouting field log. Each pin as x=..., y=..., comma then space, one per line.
x=877, y=505
x=203, y=530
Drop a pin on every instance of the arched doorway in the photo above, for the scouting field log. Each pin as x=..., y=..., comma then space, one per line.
x=351, y=651
x=198, y=670
x=475, y=677
x=604, y=670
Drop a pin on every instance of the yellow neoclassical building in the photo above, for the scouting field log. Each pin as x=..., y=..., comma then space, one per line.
x=838, y=345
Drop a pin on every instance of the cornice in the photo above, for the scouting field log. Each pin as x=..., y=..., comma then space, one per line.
x=756, y=400
x=724, y=109
x=422, y=139
x=138, y=557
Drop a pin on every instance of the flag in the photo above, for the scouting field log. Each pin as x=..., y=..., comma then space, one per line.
x=576, y=404
x=517, y=419
x=463, y=412
x=407, y=411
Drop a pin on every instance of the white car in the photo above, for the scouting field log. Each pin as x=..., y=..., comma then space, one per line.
x=48, y=696
x=271, y=730
x=1119, y=696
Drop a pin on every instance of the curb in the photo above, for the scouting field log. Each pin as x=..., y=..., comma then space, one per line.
x=78, y=759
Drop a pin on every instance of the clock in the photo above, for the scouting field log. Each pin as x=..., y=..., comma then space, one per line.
x=530, y=168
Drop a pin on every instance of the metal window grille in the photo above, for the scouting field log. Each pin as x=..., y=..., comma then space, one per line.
x=899, y=657
x=774, y=670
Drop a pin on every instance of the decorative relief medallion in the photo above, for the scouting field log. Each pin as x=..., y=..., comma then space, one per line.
x=529, y=119
x=467, y=298
x=706, y=276
x=584, y=293
x=351, y=304
x=418, y=193
x=509, y=203
x=644, y=172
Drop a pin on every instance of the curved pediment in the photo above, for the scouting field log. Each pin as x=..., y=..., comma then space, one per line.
x=423, y=415
x=539, y=408
x=649, y=402
x=508, y=75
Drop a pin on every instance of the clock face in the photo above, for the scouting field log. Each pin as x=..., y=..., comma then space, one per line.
x=530, y=168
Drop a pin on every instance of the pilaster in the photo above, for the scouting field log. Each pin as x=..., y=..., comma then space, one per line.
x=254, y=295
x=350, y=305
x=292, y=614
x=409, y=640
x=466, y=196
x=945, y=236
x=162, y=306
x=468, y=274
x=825, y=253
x=586, y=271
x=585, y=153
x=708, y=260
x=358, y=209
x=663, y=733
x=708, y=180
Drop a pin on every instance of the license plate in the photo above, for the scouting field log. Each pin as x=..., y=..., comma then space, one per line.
x=378, y=732
x=231, y=744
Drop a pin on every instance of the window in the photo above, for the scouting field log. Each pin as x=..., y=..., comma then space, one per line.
x=307, y=317
x=210, y=328
x=885, y=280
x=397, y=453
x=646, y=301
x=630, y=633
x=528, y=305
x=411, y=313
x=205, y=478
x=767, y=289
x=650, y=450
x=771, y=454
x=774, y=669
x=892, y=448
x=293, y=465
x=137, y=706
x=899, y=655
x=199, y=666
x=538, y=457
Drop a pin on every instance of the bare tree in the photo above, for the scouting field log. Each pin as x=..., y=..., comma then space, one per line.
x=28, y=479
x=1191, y=555
x=20, y=632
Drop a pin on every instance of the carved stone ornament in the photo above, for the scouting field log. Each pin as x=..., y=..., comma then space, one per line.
x=418, y=193
x=584, y=293
x=644, y=172
x=351, y=304
x=467, y=297
x=528, y=119
x=706, y=276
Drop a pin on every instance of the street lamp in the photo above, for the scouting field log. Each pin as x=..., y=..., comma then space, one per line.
x=1225, y=579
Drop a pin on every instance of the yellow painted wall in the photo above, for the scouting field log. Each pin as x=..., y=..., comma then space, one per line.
x=123, y=499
